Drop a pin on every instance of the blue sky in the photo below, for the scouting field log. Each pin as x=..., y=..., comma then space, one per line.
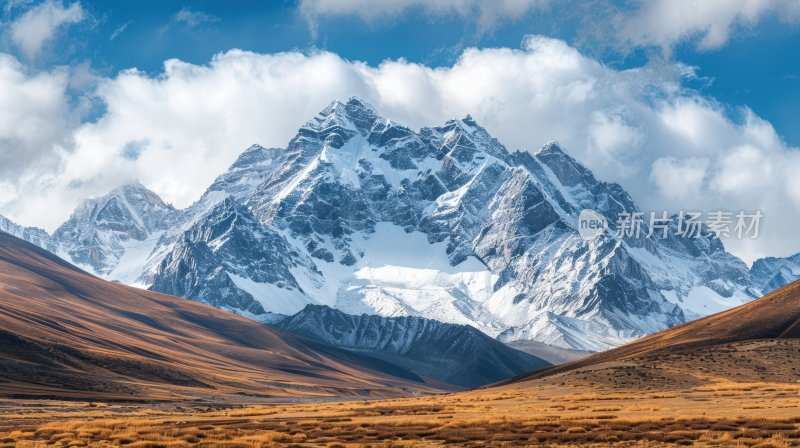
x=687, y=104
x=757, y=67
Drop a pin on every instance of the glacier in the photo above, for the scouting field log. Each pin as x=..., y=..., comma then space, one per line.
x=367, y=216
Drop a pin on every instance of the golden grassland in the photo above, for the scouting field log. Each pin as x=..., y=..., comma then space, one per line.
x=66, y=334
x=743, y=394
x=731, y=379
x=717, y=413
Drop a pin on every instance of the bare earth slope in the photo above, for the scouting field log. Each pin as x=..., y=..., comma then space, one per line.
x=728, y=380
x=66, y=334
x=774, y=316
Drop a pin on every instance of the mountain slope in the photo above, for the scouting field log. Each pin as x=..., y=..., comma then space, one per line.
x=113, y=235
x=33, y=235
x=67, y=334
x=769, y=274
x=369, y=216
x=775, y=316
x=446, y=224
x=742, y=392
x=453, y=354
x=210, y=261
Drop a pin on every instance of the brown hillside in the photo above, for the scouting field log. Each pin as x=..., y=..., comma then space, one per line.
x=67, y=334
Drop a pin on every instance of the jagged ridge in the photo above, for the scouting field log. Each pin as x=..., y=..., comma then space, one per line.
x=367, y=216
x=454, y=354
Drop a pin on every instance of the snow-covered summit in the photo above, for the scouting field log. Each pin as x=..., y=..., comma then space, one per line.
x=371, y=217
x=33, y=235
x=104, y=229
x=769, y=274
x=492, y=232
x=353, y=116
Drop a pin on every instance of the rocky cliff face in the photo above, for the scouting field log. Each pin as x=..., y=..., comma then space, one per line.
x=453, y=354
x=227, y=259
x=769, y=274
x=113, y=235
x=33, y=235
x=370, y=217
x=446, y=224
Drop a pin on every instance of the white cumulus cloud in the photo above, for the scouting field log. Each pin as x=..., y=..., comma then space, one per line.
x=33, y=29
x=679, y=179
x=665, y=23
x=177, y=130
x=36, y=121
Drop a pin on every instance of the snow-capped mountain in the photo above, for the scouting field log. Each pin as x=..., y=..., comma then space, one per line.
x=33, y=235
x=227, y=257
x=446, y=224
x=769, y=274
x=112, y=236
x=454, y=354
x=370, y=217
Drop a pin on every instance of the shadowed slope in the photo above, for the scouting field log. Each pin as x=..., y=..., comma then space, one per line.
x=64, y=333
x=453, y=354
x=774, y=316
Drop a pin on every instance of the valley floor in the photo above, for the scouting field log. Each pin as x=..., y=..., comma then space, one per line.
x=741, y=394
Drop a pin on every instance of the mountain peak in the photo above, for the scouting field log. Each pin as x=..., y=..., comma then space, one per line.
x=355, y=101
x=355, y=114
x=347, y=107
x=466, y=124
x=134, y=196
x=97, y=233
x=33, y=235
x=398, y=213
x=456, y=354
x=129, y=188
x=334, y=107
x=468, y=133
x=551, y=148
x=469, y=121
x=134, y=187
x=253, y=148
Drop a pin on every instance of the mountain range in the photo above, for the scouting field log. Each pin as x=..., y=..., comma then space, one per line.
x=367, y=216
x=163, y=370
x=452, y=354
x=69, y=335
x=760, y=337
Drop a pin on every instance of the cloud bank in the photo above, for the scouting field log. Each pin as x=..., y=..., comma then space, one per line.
x=485, y=14
x=707, y=24
x=33, y=29
x=666, y=23
x=177, y=130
